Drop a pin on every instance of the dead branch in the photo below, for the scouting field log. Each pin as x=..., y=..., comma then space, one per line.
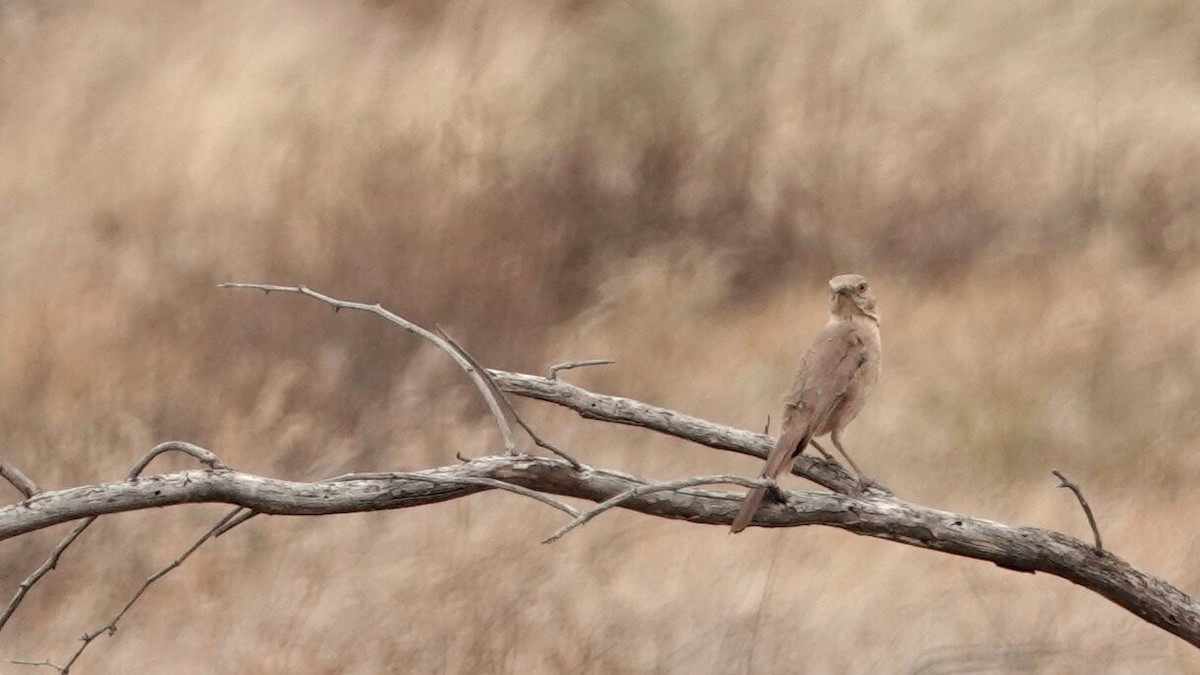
x=236, y=517
x=205, y=457
x=568, y=365
x=874, y=513
x=502, y=398
x=1087, y=510
x=111, y=627
x=202, y=455
x=620, y=410
x=465, y=480
x=49, y=564
x=18, y=479
x=43, y=662
x=646, y=489
x=476, y=377
x=1026, y=549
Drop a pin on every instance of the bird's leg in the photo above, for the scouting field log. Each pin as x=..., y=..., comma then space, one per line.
x=837, y=443
x=828, y=457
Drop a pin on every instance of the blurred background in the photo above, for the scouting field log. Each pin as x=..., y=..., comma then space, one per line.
x=666, y=183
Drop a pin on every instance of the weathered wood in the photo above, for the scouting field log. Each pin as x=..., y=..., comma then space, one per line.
x=874, y=514
x=1026, y=549
x=622, y=410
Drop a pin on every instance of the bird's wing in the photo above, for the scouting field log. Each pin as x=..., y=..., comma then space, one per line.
x=825, y=374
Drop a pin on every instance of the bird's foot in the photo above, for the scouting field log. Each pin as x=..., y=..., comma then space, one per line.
x=860, y=486
x=776, y=493
x=865, y=483
x=831, y=466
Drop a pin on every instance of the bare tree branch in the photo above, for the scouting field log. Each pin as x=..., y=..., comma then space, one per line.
x=203, y=456
x=568, y=365
x=508, y=406
x=463, y=480
x=18, y=479
x=480, y=382
x=111, y=627
x=50, y=563
x=246, y=514
x=239, y=516
x=874, y=512
x=1087, y=510
x=43, y=662
x=620, y=410
x=1026, y=549
x=646, y=489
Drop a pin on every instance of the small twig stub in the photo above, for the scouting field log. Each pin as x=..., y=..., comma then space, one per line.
x=1087, y=510
x=568, y=365
x=24, y=484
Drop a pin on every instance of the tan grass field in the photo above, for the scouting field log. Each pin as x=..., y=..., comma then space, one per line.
x=665, y=183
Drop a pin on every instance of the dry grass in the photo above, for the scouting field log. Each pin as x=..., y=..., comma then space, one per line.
x=657, y=182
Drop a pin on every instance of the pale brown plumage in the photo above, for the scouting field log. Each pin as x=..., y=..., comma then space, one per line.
x=831, y=385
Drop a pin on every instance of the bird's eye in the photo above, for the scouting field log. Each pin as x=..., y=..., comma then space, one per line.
x=862, y=288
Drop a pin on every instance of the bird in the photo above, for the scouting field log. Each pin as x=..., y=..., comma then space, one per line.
x=831, y=385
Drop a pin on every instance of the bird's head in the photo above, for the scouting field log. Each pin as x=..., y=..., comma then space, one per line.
x=850, y=295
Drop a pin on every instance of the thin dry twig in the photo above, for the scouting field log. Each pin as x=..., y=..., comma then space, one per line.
x=43, y=662
x=50, y=563
x=1087, y=510
x=648, y=489
x=474, y=373
x=205, y=457
x=240, y=516
x=568, y=365
x=111, y=627
x=503, y=398
x=19, y=480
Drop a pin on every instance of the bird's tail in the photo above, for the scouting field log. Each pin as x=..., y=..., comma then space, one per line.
x=786, y=448
x=753, y=498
